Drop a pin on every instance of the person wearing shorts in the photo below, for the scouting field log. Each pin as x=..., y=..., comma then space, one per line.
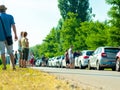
x=6, y=23
x=70, y=54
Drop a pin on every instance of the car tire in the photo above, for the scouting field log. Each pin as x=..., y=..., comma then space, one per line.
x=118, y=65
x=40, y=64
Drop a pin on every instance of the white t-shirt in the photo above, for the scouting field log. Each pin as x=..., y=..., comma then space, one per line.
x=70, y=54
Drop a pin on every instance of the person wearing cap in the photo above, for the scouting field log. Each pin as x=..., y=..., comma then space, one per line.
x=8, y=21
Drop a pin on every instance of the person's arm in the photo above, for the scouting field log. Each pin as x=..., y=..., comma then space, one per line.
x=15, y=33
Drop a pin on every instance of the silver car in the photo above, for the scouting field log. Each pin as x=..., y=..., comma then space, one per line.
x=103, y=57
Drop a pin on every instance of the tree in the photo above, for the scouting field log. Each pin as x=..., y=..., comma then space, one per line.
x=92, y=35
x=68, y=31
x=80, y=7
x=114, y=14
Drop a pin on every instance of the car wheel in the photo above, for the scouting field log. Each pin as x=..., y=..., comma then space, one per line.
x=89, y=67
x=118, y=65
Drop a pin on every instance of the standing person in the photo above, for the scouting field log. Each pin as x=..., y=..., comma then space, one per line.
x=25, y=49
x=20, y=49
x=32, y=59
x=67, y=59
x=43, y=60
x=70, y=54
x=6, y=23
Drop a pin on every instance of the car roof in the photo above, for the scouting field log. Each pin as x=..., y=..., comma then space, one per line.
x=86, y=50
x=109, y=47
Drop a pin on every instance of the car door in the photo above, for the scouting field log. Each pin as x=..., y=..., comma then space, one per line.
x=80, y=58
x=97, y=56
x=94, y=57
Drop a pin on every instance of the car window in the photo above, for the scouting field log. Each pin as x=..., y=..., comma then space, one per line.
x=112, y=50
x=89, y=53
x=99, y=50
x=83, y=52
x=96, y=51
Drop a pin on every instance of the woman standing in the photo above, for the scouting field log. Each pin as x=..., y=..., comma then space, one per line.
x=20, y=49
x=25, y=49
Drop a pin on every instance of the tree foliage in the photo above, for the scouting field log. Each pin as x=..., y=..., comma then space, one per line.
x=74, y=28
x=80, y=7
x=114, y=14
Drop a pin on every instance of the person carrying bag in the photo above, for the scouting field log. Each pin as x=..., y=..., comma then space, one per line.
x=8, y=38
x=6, y=42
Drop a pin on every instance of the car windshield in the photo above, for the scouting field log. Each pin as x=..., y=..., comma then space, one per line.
x=112, y=50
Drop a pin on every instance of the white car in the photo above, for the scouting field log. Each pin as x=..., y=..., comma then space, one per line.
x=38, y=63
x=49, y=64
x=63, y=64
x=57, y=61
x=82, y=61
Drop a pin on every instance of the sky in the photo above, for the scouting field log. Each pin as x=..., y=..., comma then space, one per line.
x=38, y=17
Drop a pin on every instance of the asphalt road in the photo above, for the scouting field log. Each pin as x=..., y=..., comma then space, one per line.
x=96, y=80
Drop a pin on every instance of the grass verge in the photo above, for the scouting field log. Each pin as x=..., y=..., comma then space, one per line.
x=29, y=79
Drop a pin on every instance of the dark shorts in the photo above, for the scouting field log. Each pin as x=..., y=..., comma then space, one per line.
x=25, y=52
x=67, y=62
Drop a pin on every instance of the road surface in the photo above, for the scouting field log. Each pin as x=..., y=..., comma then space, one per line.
x=94, y=79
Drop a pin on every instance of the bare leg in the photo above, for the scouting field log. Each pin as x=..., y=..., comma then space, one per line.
x=3, y=61
x=24, y=63
x=12, y=60
x=19, y=62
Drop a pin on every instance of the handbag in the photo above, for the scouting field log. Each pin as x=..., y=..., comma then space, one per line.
x=8, y=38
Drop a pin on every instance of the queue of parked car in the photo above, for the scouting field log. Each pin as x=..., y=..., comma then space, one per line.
x=99, y=59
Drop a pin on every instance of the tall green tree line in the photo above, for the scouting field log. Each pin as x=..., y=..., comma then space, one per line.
x=77, y=28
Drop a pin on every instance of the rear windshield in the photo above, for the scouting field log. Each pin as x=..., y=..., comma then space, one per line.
x=89, y=53
x=112, y=50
